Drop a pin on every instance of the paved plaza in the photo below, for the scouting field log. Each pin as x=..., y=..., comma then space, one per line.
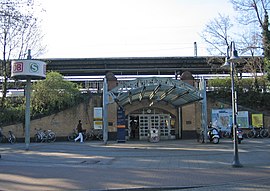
x=135, y=165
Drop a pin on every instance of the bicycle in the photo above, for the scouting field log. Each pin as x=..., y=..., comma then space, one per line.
x=201, y=138
x=44, y=136
x=71, y=137
x=264, y=133
x=96, y=134
x=11, y=137
x=258, y=133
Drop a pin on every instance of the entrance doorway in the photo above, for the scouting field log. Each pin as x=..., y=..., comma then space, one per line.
x=140, y=125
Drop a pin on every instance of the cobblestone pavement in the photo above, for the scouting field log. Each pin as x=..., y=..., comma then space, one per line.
x=135, y=165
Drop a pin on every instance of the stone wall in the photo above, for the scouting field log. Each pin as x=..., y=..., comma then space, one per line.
x=64, y=122
x=61, y=123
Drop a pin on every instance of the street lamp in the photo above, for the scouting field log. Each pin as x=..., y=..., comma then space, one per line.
x=232, y=56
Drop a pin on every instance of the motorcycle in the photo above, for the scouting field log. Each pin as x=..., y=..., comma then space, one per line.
x=213, y=135
x=239, y=133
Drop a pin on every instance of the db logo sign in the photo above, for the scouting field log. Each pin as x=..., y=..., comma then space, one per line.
x=18, y=67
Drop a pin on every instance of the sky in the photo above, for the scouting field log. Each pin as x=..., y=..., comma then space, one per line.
x=127, y=28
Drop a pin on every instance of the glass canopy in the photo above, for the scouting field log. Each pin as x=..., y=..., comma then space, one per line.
x=155, y=89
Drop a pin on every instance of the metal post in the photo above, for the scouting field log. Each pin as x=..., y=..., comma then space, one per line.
x=105, y=111
x=27, y=113
x=29, y=54
x=204, y=108
x=180, y=122
x=27, y=107
x=236, y=162
x=232, y=55
x=195, y=49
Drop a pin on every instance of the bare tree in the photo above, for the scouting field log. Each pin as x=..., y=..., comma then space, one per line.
x=256, y=11
x=251, y=10
x=252, y=41
x=216, y=34
x=19, y=31
x=219, y=32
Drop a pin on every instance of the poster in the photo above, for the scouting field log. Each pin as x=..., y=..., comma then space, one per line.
x=97, y=113
x=222, y=118
x=257, y=120
x=98, y=124
x=242, y=119
x=98, y=118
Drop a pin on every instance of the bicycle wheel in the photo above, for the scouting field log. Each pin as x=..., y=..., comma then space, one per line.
x=100, y=137
x=71, y=137
x=38, y=138
x=86, y=136
x=91, y=136
x=251, y=134
x=201, y=138
x=264, y=133
x=51, y=137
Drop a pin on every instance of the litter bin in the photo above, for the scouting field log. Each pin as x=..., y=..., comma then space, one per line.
x=153, y=135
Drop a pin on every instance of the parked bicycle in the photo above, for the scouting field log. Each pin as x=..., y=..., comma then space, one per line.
x=44, y=136
x=74, y=134
x=258, y=133
x=265, y=133
x=96, y=134
x=11, y=137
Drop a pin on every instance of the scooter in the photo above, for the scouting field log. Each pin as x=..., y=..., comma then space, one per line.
x=213, y=135
x=239, y=134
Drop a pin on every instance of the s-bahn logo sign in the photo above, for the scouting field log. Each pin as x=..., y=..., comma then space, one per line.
x=22, y=69
x=33, y=67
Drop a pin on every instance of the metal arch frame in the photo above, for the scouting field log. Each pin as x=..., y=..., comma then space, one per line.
x=155, y=89
x=139, y=82
x=142, y=93
x=154, y=92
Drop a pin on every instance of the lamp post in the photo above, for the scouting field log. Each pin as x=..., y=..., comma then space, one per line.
x=232, y=56
x=105, y=111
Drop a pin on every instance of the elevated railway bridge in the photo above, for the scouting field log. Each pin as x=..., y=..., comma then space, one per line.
x=136, y=66
x=91, y=71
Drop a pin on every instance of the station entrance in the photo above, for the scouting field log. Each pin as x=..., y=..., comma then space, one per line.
x=140, y=124
x=154, y=104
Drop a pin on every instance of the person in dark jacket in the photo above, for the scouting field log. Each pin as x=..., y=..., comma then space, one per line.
x=80, y=130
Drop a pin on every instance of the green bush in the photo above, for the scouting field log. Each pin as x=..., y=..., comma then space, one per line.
x=251, y=92
x=13, y=112
x=53, y=94
x=48, y=96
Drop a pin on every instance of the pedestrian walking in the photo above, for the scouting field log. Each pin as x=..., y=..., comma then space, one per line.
x=80, y=131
